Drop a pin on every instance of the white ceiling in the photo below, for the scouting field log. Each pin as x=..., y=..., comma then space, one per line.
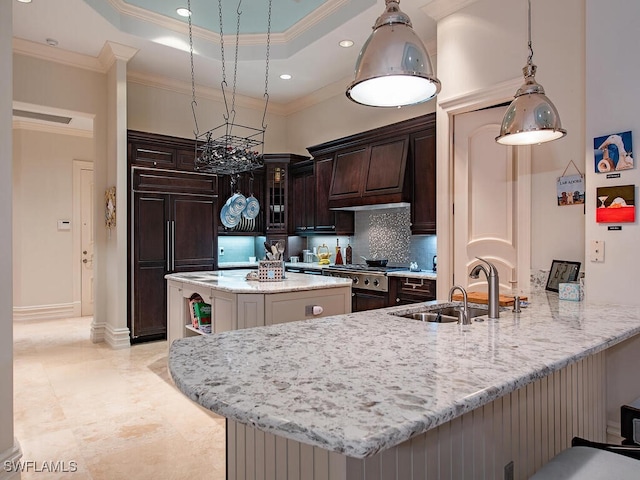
x=308, y=49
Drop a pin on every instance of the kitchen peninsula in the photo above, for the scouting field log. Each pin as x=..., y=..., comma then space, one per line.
x=374, y=395
x=238, y=303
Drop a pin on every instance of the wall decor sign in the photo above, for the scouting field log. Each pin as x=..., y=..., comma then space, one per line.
x=616, y=204
x=613, y=152
x=570, y=190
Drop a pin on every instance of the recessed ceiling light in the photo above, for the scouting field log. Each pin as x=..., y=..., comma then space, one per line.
x=285, y=76
x=183, y=12
x=52, y=42
x=24, y=1
x=346, y=43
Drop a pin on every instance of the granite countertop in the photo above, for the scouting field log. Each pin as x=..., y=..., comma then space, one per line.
x=364, y=382
x=235, y=281
x=426, y=274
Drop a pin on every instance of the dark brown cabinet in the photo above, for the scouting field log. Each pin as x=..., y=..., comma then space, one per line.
x=373, y=174
x=362, y=300
x=406, y=290
x=422, y=148
x=309, y=201
x=302, y=199
x=172, y=220
x=161, y=151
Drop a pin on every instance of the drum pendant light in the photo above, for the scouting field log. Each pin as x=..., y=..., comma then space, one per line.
x=393, y=68
x=531, y=118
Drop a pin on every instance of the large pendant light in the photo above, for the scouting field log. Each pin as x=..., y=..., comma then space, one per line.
x=393, y=68
x=531, y=118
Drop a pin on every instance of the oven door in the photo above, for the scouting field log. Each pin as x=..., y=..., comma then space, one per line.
x=362, y=300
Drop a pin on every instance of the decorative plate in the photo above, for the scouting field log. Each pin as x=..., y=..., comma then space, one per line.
x=227, y=219
x=252, y=209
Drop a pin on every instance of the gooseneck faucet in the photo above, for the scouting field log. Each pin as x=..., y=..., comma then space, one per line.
x=494, y=285
x=463, y=316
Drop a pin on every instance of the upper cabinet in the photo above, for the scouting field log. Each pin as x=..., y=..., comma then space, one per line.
x=276, y=203
x=309, y=201
x=422, y=165
x=384, y=166
x=161, y=151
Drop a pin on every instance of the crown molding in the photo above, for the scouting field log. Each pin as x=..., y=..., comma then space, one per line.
x=45, y=127
x=317, y=16
x=57, y=55
x=112, y=51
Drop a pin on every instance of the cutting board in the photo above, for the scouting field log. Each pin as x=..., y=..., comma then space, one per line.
x=482, y=298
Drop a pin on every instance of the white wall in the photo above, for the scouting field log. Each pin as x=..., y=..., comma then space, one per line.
x=6, y=324
x=485, y=45
x=42, y=195
x=612, y=106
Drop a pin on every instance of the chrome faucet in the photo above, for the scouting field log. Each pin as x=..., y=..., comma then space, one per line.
x=494, y=285
x=463, y=315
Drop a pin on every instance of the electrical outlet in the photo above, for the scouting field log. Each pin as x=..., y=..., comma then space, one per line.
x=508, y=471
x=222, y=251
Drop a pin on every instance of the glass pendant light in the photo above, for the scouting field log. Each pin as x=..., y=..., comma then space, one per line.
x=531, y=118
x=393, y=68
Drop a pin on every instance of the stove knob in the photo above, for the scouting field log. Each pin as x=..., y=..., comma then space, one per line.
x=376, y=283
x=366, y=281
x=355, y=280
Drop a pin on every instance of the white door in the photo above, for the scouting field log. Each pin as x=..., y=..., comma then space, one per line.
x=86, y=240
x=492, y=203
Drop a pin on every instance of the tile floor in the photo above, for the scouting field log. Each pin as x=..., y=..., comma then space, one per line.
x=113, y=412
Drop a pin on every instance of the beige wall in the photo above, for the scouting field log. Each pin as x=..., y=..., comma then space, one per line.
x=158, y=110
x=42, y=195
x=484, y=45
x=337, y=117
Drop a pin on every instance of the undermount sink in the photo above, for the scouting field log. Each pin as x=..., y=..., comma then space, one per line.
x=445, y=314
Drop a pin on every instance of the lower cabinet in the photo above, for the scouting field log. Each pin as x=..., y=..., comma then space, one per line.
x=406, y=290
x=234, y=311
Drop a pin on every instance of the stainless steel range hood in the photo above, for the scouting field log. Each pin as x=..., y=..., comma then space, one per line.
x=380, y=206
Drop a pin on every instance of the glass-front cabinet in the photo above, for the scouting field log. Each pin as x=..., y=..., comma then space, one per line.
x=276, y=169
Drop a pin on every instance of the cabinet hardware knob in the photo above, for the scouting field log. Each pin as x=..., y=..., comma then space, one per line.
x=84, y=260
x=84, y=252
x=397, y=300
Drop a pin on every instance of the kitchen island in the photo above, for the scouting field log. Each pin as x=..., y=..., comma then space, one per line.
x=374, y=395
x=238, y=303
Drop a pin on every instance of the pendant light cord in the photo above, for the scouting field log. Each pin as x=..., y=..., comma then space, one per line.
x=530, y=59
x=266, y=75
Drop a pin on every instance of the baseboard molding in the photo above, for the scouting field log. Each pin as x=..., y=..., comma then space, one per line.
x=46, y=312
x=613, y=432
x=10, y=457
x=117, y=338
x=97, y=331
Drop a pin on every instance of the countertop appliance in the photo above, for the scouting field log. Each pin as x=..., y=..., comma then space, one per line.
x=370, y=289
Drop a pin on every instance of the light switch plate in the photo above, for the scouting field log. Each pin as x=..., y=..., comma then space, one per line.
x=596, y=253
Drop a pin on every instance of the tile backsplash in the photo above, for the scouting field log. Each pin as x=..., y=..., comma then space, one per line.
x=378, y=234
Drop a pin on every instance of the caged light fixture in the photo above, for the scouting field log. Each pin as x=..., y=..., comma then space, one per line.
x=230, y=148
x=531, y=118
x=393, y=68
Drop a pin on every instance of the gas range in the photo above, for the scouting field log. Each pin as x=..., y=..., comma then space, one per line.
x=363, y=276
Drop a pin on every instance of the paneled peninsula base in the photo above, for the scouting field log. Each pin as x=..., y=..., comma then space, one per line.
x=528, y=426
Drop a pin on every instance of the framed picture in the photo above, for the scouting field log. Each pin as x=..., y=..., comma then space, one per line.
x=613, y=152
x=570, y=190
x=562, y=271
x=616, y=204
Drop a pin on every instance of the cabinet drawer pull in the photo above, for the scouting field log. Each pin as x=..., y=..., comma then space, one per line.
x=407, y=283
